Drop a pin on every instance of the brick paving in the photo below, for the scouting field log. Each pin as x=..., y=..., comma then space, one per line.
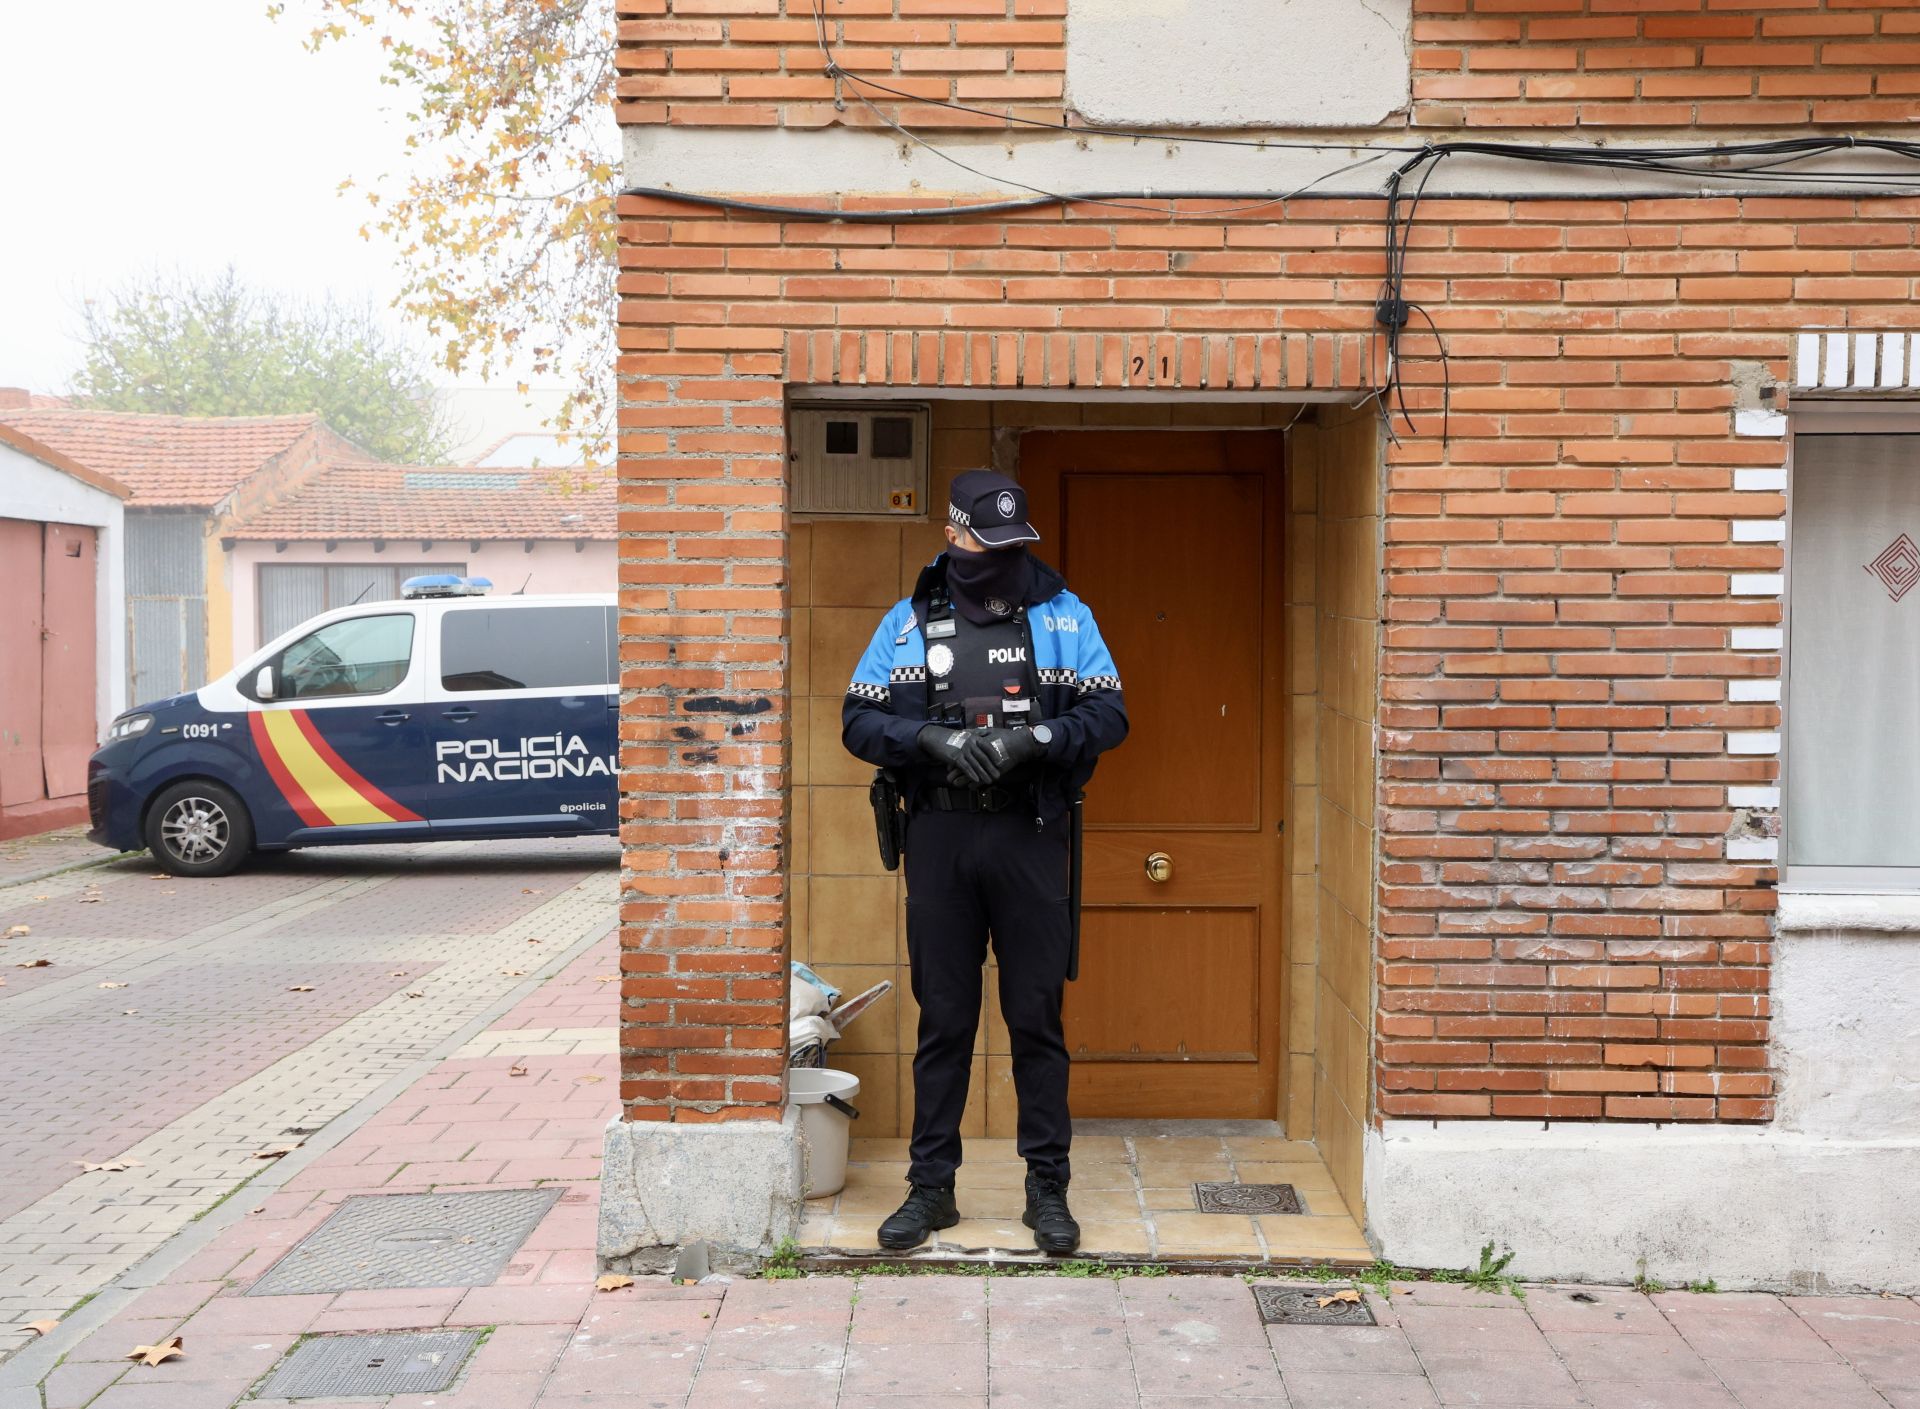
x=504, y=1111
x=207, y=1055
x=23, y=858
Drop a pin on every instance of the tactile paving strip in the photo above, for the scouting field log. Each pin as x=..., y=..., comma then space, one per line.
x=410, y=1240
x=336, y=1367
x=1300, y=1306
x=1246, y=1198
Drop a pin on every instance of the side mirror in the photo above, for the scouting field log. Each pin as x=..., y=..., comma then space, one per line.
x=263, y=683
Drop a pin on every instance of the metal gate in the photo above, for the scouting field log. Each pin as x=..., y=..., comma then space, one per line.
x=290, y=593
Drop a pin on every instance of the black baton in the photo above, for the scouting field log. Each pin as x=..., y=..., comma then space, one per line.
x=1075, y=840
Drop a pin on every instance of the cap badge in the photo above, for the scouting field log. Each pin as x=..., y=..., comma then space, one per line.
x=1004, y=504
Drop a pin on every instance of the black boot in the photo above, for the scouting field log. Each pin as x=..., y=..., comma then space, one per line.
x=1047, y=1214
x=929, y=1207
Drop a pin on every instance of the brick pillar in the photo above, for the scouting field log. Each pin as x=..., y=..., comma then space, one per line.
x=703, y=730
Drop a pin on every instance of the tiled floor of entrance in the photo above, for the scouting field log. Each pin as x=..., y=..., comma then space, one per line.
x=1132, y=1194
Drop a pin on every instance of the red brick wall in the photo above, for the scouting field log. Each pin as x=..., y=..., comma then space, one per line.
x=1561, y=931
x=1664, y=63
x=1476, y=63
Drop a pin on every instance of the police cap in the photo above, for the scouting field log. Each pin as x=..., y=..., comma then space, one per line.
x=992, y=508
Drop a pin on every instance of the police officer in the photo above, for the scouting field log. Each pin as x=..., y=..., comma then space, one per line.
x=988, y=694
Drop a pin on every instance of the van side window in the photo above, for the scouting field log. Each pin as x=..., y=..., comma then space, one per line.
x=363, y=655
x=523, y=648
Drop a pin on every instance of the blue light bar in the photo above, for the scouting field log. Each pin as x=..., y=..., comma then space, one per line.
x=444, y=584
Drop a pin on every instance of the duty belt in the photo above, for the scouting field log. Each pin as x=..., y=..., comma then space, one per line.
x=945, y=799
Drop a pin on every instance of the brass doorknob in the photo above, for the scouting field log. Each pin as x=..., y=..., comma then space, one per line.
x=1159, y=867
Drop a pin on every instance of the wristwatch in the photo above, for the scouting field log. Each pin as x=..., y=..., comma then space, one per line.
x=1042, y=735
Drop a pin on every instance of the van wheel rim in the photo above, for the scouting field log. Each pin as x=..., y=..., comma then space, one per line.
x=196, y=829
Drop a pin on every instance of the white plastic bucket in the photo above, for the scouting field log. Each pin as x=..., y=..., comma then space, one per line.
x=824, y=1131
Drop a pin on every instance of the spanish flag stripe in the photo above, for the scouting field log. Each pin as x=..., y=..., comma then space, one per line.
x=331, y=793
x=295, y=795
x=328, y=755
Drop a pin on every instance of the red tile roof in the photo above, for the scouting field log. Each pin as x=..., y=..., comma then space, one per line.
x=365, y=500
x=66, y=464
x=165, y=460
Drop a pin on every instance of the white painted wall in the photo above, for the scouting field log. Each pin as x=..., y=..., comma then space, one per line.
x=1824, y=1198
x=1238, y=63
x=554, y=567
x=36, y=491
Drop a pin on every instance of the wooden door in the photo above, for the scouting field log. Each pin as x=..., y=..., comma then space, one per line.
x=1174, y=539
x=22, y=772
x=67, y=719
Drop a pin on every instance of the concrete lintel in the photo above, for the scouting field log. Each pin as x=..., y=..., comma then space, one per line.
x=778, y=163
x=1747, y=1207
x=735, y=1185
x=1185, y=396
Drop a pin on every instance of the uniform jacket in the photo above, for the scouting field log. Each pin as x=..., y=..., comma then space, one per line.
x=1080, y=698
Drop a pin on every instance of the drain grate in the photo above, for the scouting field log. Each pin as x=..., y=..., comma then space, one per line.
x=333, y=1367
x=410, y=1240
x=1246, y=1198
x=1300, y=1306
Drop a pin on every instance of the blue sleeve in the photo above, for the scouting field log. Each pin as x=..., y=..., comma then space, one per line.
x=1097, y=721
x=868, y=726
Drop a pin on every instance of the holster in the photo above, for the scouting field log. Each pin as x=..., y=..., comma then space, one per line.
x=889, y=819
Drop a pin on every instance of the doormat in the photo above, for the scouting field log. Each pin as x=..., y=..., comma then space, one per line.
x=375, y=1241
x=1246, y=1198
x=339, y=1367
x=1300, y=1306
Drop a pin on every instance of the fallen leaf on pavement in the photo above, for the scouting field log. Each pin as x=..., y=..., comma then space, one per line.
x=536, y=941
x=40, y=1328
x=168, y=1349
x=1349, y=1295
x=606, y=978
x=156, y=875
x=398, y=973
x=613, y=1281
x=35, y=964
x=588, y=1080
x=513, y=973
x=261, y=1209
x=129, y=1012
x=19, y=931
x=275, y=1152
x=112, y=1166
x=415, y=993
x=517, y=1069
x=113, y=985
x=301, y=988
x=43, y=897
x=90, y=900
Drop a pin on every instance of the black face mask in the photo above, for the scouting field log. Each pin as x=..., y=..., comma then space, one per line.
x=988, y=586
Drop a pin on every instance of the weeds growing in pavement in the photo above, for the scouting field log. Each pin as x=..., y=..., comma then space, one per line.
x=1491, y=1274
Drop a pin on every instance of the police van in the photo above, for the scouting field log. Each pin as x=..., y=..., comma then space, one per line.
x=443, y=715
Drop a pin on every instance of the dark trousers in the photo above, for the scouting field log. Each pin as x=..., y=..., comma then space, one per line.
x=971, y=875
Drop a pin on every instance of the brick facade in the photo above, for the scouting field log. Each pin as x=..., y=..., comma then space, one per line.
x=1562, y=930
x=1664, y=64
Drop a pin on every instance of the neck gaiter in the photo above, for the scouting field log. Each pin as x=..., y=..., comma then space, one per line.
x=988, y=587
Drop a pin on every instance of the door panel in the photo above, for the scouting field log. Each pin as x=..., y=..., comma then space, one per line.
x=22, y=773
x=67, y=659
x=1174, y=539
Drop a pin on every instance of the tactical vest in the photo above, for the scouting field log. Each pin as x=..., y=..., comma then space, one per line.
x=967, y=662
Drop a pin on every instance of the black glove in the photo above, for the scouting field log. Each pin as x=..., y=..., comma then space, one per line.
x=998, y=752
x=948, y=748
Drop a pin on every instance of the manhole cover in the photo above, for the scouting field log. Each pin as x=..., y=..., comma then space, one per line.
x=1246, y=1198
x=1300, y=1306
x=412, y=1362
x=410, y=1240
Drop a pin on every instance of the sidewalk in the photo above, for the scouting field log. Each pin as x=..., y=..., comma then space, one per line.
x=524, y=1106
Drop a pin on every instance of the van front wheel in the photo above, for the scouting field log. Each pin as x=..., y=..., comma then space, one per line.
x=198, y=828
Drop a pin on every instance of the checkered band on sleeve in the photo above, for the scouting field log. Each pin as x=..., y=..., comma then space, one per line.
x=1058, y=675
x=908, y=674
x=1098, y=682
x=877, y=693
